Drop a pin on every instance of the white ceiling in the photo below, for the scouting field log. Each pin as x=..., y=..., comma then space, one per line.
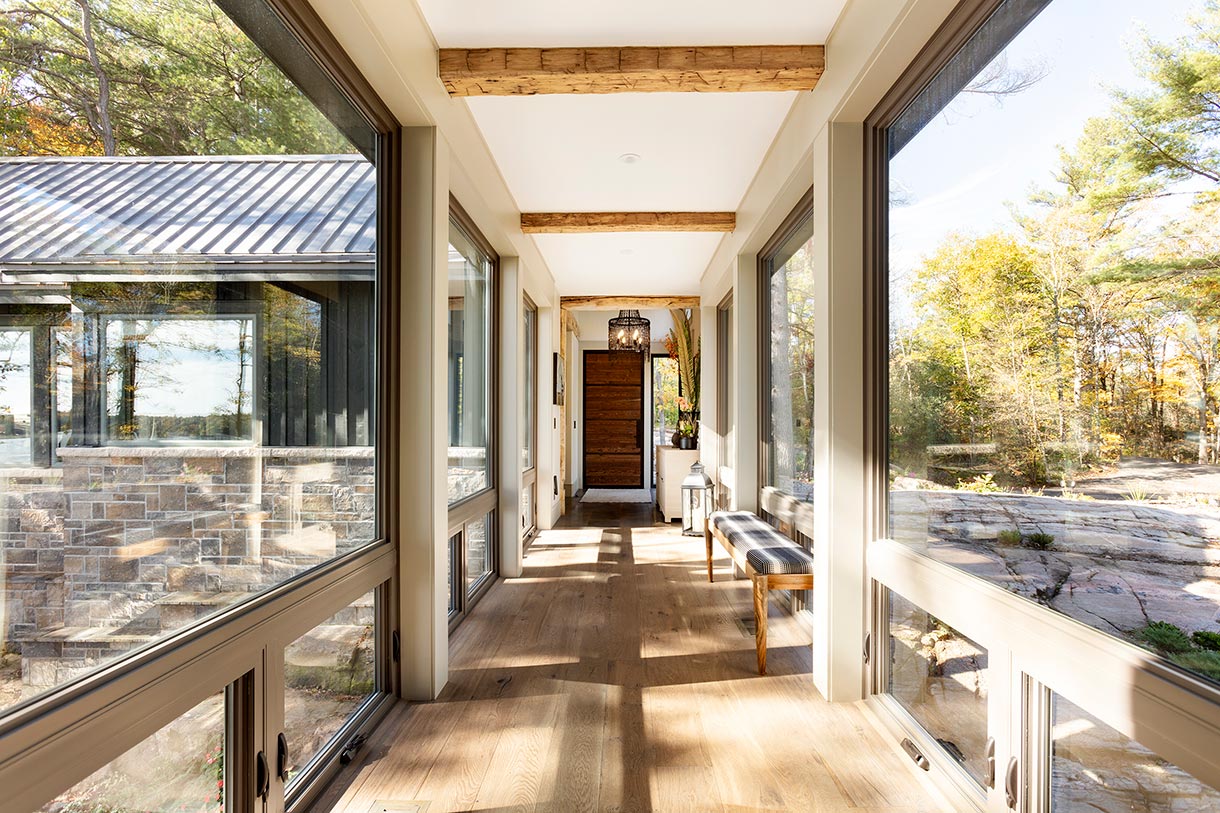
x=561, y=153
x=557, y=23
x=658, y=264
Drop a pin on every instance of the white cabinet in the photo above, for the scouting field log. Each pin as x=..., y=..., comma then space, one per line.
x=673, y=464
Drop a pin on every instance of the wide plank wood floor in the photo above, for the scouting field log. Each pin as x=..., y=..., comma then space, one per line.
x=612, y=677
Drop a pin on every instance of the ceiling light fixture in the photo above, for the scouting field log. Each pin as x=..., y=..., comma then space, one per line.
x=630, y=158
x=629, y=332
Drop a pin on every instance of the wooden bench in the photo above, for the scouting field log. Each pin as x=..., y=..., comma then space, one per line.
x=770, y=559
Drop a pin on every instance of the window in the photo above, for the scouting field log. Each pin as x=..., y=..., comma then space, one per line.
x=181, y=767
x=727, y=406
x=189, y=363
x=787, y=302
x=179, y=379
x=940, y=678
x=529, y=423
x=1094, y=767
x=529, y=408
x=16, y=397
x=1051, y=413
x=470, y=376
x=329, y=672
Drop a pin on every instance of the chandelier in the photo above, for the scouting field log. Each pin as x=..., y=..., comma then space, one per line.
x=630, y=332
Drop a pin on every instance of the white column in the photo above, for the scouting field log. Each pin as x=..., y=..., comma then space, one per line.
x=422, y=501
x=511, y=382
x=745, y=394
x=840, y=482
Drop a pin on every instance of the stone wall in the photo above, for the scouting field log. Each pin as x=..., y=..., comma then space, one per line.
x=123, y=544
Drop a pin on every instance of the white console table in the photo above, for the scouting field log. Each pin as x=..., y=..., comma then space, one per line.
x=673, y=464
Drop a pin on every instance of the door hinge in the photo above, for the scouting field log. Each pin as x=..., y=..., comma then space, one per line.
x=868, y=648
x=395, y=646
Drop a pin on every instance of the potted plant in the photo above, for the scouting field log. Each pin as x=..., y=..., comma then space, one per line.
x=684, y=349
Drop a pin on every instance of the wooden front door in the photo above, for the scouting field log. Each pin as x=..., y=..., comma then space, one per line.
x=614, y=419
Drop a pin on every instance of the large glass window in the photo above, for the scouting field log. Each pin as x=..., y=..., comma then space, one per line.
x=188, y=322
x=940, y=678
x=328, y=673
x=529, y=401
x=788, y=297
x=727, y=406
x=1054, y=391
x=181, y=767
x=1095, y=769
x=470, y=374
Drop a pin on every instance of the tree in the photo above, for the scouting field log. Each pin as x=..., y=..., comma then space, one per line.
x=146, y=77
x=1173, y=129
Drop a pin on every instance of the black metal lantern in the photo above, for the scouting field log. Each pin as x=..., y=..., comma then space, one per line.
x=630, y=332
x=696, y=501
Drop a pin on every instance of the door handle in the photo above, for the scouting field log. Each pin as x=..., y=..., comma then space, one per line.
x=1010, y=783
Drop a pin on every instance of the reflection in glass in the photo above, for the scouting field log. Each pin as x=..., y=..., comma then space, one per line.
x=16, y=397
x=328, y=673
x=179, y=379
x=191, y=400
x=1054, y=422
x=180, y=768
x=470, y=322
x=1095, y=769
x=791, y=359
x=940, y=677
x=480, y=562
x=529, y=404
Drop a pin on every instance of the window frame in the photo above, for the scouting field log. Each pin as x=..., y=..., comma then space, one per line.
x=530, y=379
x=1032, y=650
x=51, y=741
x=796, y=221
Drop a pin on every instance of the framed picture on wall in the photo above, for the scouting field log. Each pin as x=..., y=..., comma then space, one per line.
x=558, y=378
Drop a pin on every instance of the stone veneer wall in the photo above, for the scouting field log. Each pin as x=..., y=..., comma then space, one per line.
x=125, y=543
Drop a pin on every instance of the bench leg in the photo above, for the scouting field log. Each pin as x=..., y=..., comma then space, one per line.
x=707, y=540
x=760, y=622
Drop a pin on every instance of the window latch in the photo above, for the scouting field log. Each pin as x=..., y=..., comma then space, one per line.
x=262, y=777
x=353, y=745
x=1010, y=784
x=868, y=647
x=395, y=646
x=281, y=757
x=991, y=762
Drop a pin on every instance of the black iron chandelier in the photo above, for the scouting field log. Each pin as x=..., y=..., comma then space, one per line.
x=630, y=332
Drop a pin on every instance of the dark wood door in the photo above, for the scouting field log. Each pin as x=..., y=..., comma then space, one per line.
x=614, y=419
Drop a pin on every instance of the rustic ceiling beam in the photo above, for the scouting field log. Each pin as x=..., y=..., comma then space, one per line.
x=729, y=68
x=618, y=303
x=592, y=222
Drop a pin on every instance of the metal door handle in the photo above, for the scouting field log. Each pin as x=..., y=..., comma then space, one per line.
x=262, y=777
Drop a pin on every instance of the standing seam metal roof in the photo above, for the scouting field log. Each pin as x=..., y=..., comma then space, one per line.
x=82, y=215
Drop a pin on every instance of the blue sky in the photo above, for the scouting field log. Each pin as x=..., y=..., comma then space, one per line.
x=964, y=169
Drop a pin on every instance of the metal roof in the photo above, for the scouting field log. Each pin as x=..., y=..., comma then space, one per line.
x=216, y=217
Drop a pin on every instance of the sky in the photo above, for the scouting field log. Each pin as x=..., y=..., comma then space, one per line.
x=961, y=172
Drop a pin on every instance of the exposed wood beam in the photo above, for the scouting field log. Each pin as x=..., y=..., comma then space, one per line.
x=618, y=303
x=530, y=71
x=589, y=222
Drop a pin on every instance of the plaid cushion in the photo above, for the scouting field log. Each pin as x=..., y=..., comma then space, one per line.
x=767, y=550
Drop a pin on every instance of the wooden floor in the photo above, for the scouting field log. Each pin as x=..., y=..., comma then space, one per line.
x=612, y=677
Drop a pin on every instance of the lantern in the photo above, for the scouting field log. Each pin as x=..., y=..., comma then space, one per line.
x=696, y=501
